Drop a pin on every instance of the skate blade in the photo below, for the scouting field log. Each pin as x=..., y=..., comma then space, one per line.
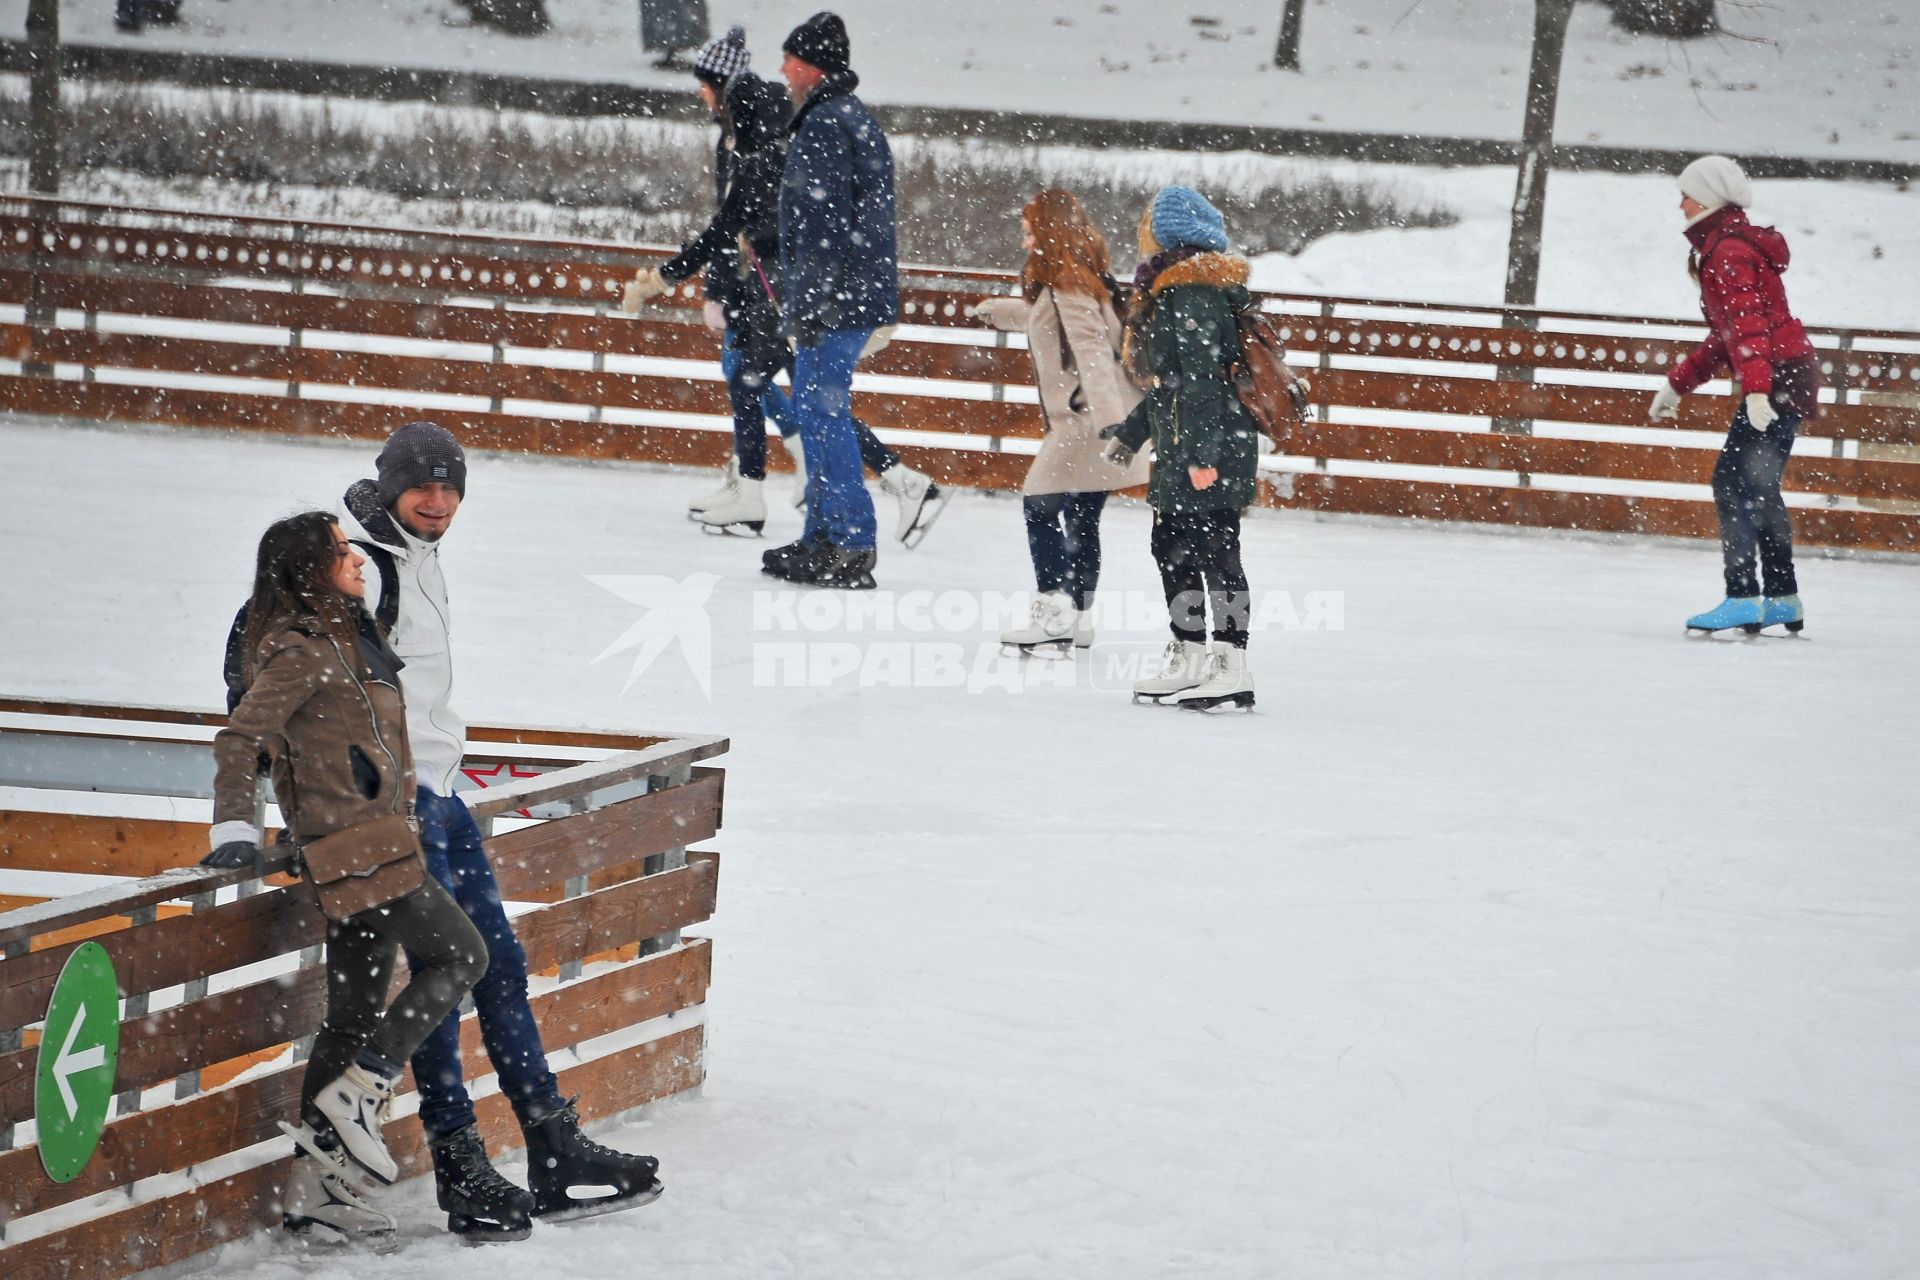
x=303, y=1138
x=580, y=1209
x=315, y=1234
x=1046, y=650
x=753, y=528
x=1244, y=701
x=929, y=513
x=476, y=1232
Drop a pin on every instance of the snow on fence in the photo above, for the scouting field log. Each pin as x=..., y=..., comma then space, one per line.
x=1517, y=416
x=221, y=984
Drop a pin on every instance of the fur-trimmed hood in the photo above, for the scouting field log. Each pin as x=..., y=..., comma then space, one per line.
x=1221, y=270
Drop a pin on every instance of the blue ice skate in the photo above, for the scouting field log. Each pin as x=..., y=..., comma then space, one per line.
x=1745, y=613
x=1784, y=611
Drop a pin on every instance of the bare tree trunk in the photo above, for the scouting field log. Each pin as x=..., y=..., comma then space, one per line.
x=1286, y=55
x=1550, y=19
x=43, y=124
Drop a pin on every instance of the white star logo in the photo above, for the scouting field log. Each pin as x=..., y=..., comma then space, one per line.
x=672, y=610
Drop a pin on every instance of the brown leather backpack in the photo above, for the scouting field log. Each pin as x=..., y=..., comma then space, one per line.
x=1273, y=393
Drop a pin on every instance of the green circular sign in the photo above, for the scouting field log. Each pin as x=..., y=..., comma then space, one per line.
x=78, y=1051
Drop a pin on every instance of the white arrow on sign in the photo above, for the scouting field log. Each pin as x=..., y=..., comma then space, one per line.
x=68, y=1063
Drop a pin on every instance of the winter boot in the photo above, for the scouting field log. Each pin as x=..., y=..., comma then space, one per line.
x=718, y=496
x=799, y=468
x=795, y=557
x=742, y=508
x=481, y=1205
x=841, y=567
x=1226, y=681
x=357, y=1105
x=1180, y=671
x=1784, y=610
x=561, y=1158
x=321, y=1192
x=1050, y=630
x=1744, y=613
x=921, y=501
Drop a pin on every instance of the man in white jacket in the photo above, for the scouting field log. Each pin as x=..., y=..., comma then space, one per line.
x=399, y=520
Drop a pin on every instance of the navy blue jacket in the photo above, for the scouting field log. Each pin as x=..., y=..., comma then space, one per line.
x=837, y=247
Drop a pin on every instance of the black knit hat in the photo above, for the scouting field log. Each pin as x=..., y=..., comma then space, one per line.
x=721, y=60
x=420, y=453
x=821, y=41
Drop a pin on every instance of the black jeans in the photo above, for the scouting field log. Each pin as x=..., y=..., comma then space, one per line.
x=1063, y=534
x=450, y=955
x=1753, y=516
x=1199, y=558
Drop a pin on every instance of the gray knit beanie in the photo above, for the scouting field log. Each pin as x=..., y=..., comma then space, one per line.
x=420, y=453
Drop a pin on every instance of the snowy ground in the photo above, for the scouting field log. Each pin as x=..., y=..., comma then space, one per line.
x=1829, y=79
x=1515, y=937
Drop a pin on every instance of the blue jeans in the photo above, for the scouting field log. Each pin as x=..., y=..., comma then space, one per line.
x=753, y=402
x=838, y=504
x=1063, y=534
x=1753, y=516
x=458, y=861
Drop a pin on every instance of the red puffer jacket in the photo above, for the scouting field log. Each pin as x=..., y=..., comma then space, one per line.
x=1745, y=305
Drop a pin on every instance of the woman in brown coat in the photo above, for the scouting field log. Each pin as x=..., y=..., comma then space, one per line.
x=323, y=703
x=1067, y=309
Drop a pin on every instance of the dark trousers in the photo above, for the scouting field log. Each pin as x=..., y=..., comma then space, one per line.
x=1199, y=558
x=1753, y=516
x=754, y=398
x=458, y=860
x=448, y=957
x=1063, y=535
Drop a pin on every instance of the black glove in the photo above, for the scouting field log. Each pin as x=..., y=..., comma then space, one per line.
x=233, y=855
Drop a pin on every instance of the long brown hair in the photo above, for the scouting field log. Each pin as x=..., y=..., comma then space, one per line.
x=293, y=584
x=1069, y=253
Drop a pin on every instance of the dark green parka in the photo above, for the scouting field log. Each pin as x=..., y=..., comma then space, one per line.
x=1192, y=413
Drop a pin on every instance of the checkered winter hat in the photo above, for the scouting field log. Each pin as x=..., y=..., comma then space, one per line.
x=1182, y=216
x=721, y=60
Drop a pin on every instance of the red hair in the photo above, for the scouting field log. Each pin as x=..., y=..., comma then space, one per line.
x=1069, y=253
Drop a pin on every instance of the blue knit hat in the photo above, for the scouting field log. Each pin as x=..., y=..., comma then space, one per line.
x=1182, y=216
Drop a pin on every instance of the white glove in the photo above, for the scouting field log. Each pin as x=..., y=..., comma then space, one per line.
x=878, y=340
x=1666, y=404
x=1760, y=411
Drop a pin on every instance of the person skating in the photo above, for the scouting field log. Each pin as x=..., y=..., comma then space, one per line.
x=1182, y=339
x=740, y=253
x=323, y=703
x=403, y=514
x=842, y=284
x=1067, y=310
x=1776, y=387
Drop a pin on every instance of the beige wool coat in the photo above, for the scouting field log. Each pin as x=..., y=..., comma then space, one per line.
x=1075, y=344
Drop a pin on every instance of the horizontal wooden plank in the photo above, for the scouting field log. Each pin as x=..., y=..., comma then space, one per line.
x=1555, y=509
x=673, y=817
x=662, y=758
x=1415, y=446
x=88, y=844
x=178, y=1039
x=175, y=1228
x=208, y=1125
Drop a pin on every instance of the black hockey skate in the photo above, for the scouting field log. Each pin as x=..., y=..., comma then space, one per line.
x=562, y=1161
x=481, y=1205
x=841, y=567
x=795, y=557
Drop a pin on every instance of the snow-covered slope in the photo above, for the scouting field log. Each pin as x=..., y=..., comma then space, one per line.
x=1515, y=936
x=1830, y=79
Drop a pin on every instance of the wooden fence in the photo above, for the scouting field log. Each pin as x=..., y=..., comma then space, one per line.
x=218, y=970
x=1470, y=413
